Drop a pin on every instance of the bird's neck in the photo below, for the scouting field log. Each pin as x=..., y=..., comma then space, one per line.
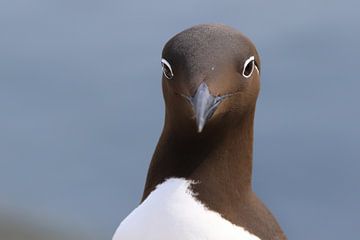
x=220, y=157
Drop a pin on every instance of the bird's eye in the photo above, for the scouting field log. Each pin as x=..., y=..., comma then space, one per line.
x=166, y=68
x=248, y=67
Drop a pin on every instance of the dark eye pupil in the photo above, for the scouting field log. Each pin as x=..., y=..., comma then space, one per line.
x=248, y=68
x=167, y=72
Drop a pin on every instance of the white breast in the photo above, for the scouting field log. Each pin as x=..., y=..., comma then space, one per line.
x=171, y=212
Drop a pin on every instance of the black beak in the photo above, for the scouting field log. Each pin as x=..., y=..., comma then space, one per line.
x=204, y=105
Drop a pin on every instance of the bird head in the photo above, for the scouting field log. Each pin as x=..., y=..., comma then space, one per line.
x=209, y=72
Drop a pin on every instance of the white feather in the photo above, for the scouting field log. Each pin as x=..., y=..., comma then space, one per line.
x=171, y=212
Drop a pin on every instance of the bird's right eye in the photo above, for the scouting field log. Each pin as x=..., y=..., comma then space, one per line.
x=248, y=67
x=166, y=68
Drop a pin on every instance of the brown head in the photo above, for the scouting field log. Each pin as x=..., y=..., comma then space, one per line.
x=210, y=72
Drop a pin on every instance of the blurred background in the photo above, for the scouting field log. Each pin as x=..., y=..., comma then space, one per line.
x=81, y=111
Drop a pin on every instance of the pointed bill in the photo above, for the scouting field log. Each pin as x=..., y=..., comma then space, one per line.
x=204, y=105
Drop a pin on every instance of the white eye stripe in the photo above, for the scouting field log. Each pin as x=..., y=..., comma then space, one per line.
x=167, y=64
x=257, y=69
x=250, y=60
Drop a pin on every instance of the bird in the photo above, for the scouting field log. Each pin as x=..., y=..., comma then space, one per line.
x=199, y=182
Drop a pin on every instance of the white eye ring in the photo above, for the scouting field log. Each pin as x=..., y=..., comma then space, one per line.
x=166, y=64
x=245, y=72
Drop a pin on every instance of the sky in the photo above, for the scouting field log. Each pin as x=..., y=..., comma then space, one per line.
x=82, y=109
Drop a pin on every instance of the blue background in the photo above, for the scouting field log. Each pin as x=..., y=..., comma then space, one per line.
x=81, y=109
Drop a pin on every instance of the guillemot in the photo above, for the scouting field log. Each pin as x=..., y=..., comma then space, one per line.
x=199, y=181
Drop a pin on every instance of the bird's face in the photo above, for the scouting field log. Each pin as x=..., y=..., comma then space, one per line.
x=209, y=71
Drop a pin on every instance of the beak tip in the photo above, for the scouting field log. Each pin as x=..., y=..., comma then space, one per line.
x=200, y=126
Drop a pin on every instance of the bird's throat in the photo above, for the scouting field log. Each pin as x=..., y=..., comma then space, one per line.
x=218, y=158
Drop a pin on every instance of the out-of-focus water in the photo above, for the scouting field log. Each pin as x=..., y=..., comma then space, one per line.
x=81, y=107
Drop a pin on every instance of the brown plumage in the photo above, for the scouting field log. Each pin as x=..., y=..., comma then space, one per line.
x=219, y=157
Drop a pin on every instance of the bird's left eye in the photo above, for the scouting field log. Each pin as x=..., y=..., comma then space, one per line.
x=249, y=66
x=166, y=68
